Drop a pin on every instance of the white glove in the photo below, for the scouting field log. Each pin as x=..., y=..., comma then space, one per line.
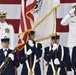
x=55, y=46
x=56, y=61
x=30, y=43
x=71, y=11
x=2, y=64
x=29, y=52
x=11, y=56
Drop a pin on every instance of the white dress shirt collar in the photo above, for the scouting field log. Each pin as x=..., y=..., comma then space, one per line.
x=5, y=49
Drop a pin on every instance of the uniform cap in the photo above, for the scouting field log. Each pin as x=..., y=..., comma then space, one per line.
x=57, y=36
x=5, y=38
x=2, y=14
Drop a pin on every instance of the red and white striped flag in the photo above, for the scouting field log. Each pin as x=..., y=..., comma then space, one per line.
x=25, y=19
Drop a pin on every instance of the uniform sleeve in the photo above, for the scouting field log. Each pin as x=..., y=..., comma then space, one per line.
x=48, y=55
x=66, y=60
x=22, y=56
x=74, y=58
x=65, y=20
x=37, y=52
x=15, y=62
x=12, y=39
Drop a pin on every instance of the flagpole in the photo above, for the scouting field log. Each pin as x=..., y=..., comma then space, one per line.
x=16, y=71
x=56, y=68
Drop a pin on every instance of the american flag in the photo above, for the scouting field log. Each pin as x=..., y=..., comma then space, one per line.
x=25, y=19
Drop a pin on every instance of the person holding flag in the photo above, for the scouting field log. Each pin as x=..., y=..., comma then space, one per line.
x=30, y=56
x=57, y=57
